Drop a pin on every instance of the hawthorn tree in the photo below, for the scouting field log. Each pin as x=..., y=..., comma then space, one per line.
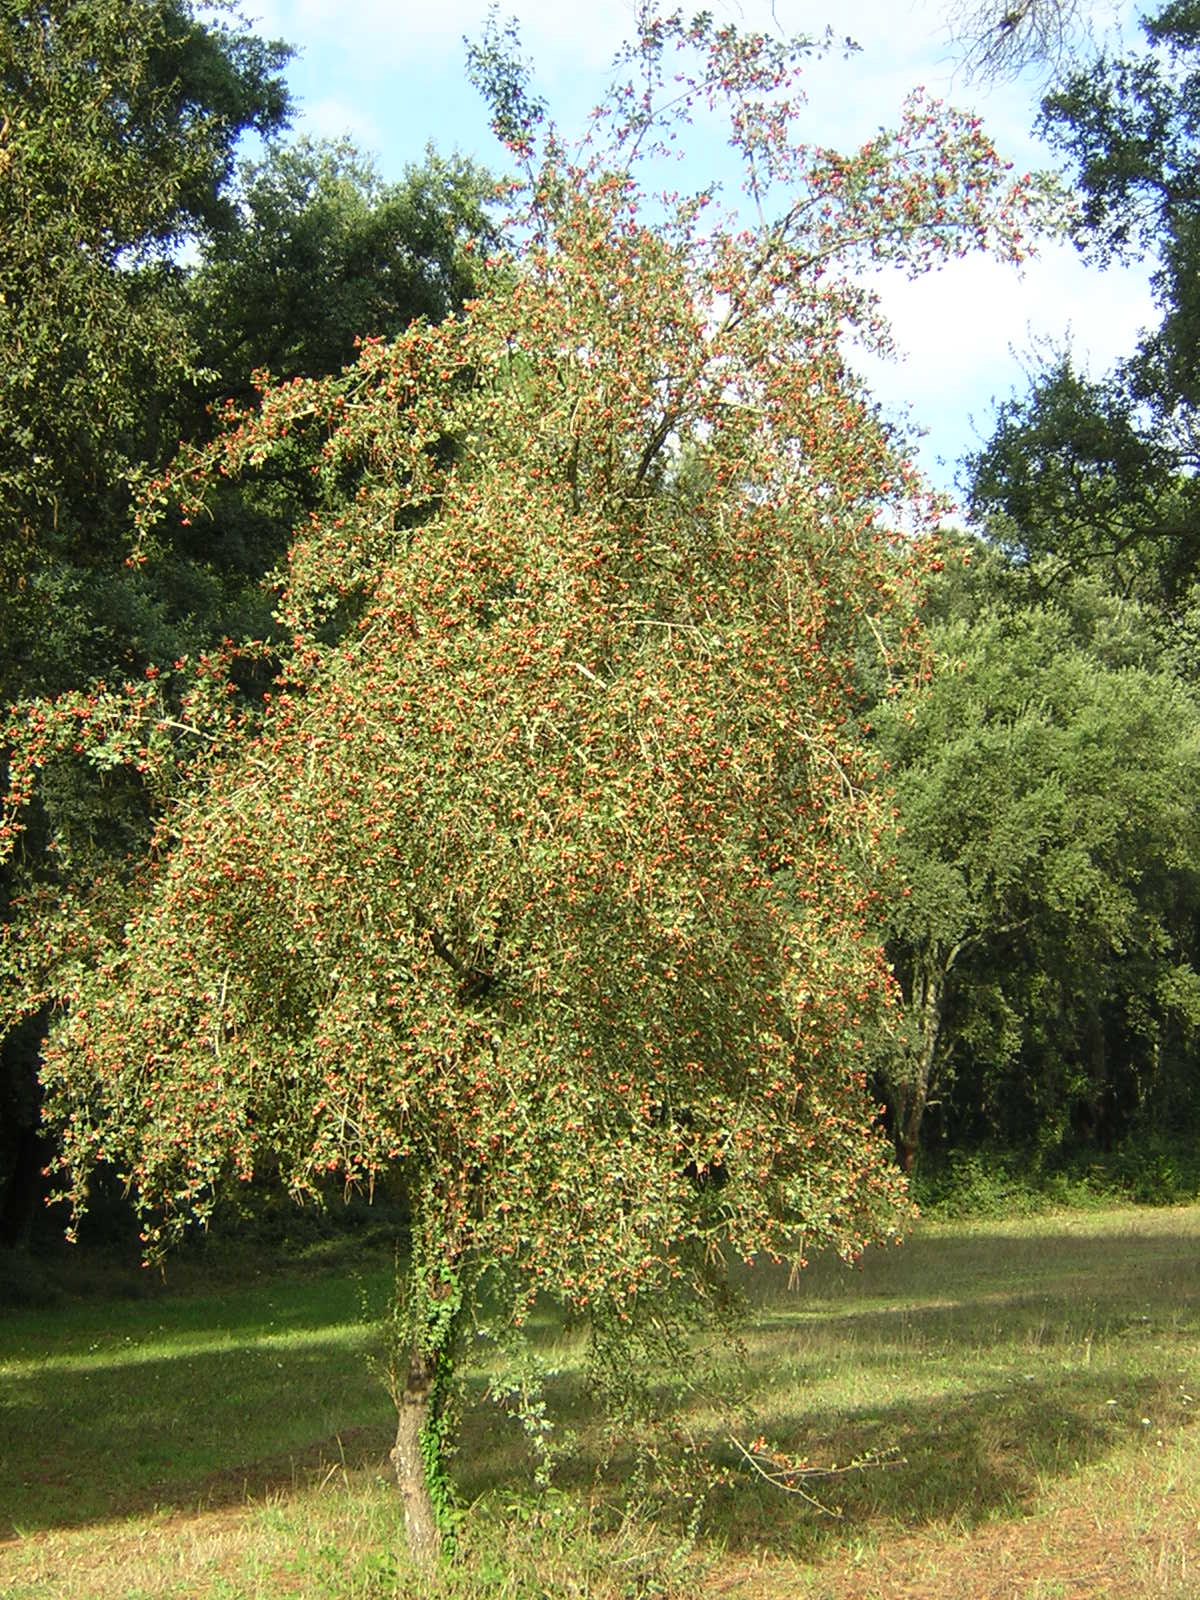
x=542, y=884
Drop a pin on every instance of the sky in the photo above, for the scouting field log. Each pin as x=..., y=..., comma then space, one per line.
x=391, y=73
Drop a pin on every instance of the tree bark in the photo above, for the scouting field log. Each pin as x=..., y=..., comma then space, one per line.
x=911, y=1095
x=25, y=1148
x=906, y=1152
x=412, y=1408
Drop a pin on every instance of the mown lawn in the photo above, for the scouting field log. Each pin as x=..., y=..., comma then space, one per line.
x=1031, y=1387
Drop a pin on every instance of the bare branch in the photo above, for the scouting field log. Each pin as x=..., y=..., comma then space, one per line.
x=998, y=40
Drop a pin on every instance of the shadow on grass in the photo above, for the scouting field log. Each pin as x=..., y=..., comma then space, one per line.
x=207, y=1429
x=90, y=1430
x=960, y=1463
x=71, y=1308
x=81, y=1448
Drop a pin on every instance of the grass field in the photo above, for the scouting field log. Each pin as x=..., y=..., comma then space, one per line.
x=1033, y=1385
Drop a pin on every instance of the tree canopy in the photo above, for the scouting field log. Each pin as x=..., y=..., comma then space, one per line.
x=325, y=254
x=116, y=144
x=1045, y=785
x=1078, y=477
x=1104, y=471
x=542, y=879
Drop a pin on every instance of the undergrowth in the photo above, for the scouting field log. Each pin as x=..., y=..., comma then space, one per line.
x=1025, y=1183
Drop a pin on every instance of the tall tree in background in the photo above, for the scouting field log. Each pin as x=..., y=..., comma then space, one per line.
x=1104, y=472
x=325, y=254
x=1082, y=474
x=117, y=142
x=542, y=883
x=1045, y=785
x=118, y=128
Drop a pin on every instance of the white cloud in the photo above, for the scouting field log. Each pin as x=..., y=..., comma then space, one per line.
x=967, y=316
x=332, y=117
x=969, y=336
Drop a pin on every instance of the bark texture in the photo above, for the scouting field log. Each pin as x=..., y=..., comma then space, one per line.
x=911, y=1095
x=420, y=1521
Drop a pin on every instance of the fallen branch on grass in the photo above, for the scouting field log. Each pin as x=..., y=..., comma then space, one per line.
x=782, y=1471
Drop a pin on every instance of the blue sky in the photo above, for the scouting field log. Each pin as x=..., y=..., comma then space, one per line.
x=391, y=73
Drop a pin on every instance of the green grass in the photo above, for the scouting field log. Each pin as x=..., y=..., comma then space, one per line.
x=170, y=1399
x=1032, y=1386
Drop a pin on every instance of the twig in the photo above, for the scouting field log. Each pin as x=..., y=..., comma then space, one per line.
x=782, y=1475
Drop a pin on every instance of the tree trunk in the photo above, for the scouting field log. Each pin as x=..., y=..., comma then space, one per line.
x=25, y=1147
x=906, y=1149
x=910, y=1096
x=426, y=1322
x=408, y=1460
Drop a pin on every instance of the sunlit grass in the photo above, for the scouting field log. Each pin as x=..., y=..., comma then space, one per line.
x=1029, y=1387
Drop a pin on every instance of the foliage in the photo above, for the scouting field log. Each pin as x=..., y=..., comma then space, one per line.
x=116, y=142
x=542, y=875
x=1045, y=785
x=1098, y=476
x=117, y=132
x=994, y=1181
x=1105, y=471
x=325, y=254
x=116, y=149
x=1125, y=123
x=1076, y=478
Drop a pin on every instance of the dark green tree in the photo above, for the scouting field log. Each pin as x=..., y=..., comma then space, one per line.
x=1045, y=785
x=1081, y=475
x=117, y=143
x=118, y=146
x=119, y=121
x=325, y=254
x=1106, y=471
